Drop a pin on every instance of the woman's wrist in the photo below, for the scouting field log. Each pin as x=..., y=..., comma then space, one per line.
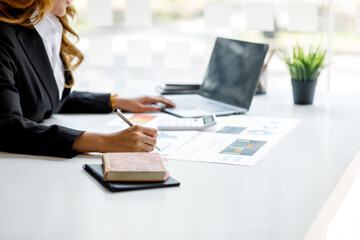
x=90, y=142
x=119, y=103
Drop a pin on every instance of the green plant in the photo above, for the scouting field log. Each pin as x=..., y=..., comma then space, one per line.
x=304, y=66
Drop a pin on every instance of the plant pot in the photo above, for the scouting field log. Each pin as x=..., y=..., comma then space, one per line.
x=303, y=92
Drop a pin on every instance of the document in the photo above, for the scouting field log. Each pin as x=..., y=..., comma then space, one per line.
x=238, y=140
x=136, y=119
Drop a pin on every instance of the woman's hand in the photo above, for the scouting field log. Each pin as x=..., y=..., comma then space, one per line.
x=133, y=139
x=143, y=104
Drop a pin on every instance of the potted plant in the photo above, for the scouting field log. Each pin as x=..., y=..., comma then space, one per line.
x=305, y=68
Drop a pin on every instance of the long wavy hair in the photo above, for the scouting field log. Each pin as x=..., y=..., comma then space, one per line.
x=20, y=11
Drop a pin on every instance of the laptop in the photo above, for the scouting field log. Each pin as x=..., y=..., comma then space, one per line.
x=229, y=83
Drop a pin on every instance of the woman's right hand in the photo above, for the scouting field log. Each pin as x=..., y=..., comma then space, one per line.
x=133, y=139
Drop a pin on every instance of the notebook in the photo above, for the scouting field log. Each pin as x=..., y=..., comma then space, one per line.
x=229, y=83
x=96, y=171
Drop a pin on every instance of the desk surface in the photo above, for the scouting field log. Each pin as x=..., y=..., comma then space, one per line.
x=278, y=198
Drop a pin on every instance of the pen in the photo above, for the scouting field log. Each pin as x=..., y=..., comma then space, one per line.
x=128, y=122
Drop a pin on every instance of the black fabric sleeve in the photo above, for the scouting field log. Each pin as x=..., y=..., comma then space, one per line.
x=86, y=102
x=19, y=134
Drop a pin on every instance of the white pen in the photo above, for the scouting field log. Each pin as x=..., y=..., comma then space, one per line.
x=128, y=122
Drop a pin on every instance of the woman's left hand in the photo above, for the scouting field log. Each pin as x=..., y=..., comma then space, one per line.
x=142, y=104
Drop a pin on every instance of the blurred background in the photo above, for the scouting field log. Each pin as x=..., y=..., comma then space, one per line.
x=147, y=42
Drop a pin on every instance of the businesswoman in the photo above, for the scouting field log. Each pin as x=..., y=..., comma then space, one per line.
x=36, y=64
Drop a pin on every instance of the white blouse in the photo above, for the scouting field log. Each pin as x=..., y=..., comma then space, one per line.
x=50, y=29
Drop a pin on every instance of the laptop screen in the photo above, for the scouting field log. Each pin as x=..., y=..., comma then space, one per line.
x=233, y=71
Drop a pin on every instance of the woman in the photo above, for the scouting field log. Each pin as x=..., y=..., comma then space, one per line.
x=36, y=61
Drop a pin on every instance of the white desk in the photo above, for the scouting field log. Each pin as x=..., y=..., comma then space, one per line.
x=279, y=198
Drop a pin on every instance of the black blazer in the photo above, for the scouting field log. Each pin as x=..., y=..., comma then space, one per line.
x=29, y=94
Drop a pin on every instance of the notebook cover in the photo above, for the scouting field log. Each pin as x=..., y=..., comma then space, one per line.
x=133, y=166
x=96, y=171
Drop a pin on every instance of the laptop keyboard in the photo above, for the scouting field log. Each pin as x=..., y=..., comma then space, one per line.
x=213, y=107
x=206, y=106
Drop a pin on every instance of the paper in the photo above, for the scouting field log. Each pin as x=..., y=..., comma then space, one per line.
x=100, y=51
x=241, y=140
x=303, y=17
x=141, y=119
x=217, y=14
x=177, y=55
x=169, y=141
x=138, y=13
x=138, y=54
x=260, y=16
x=138, y=119
x=100, y=13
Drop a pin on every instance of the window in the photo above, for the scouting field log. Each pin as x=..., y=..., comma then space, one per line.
x=151, y=41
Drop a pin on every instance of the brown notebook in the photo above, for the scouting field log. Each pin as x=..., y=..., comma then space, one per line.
x=134, y=167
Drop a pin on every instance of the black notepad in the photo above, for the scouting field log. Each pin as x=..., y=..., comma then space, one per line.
x=96, y=171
